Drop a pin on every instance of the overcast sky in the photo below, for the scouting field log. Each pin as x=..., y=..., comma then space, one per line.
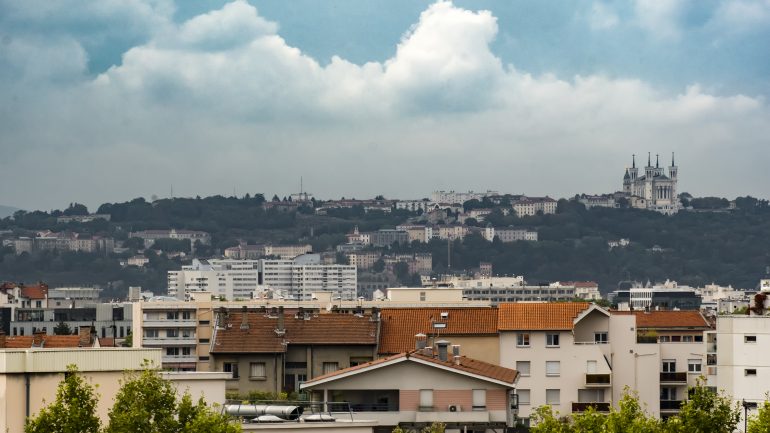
x=108, y=100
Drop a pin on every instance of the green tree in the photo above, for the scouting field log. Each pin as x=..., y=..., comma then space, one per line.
x=62, y=329
x=630, y=417
x=760, y=423
x=545, y=420
x=129, y=340
x=74, y=410
x=705, y=411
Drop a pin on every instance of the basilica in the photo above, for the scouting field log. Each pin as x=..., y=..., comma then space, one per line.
x=654, y=190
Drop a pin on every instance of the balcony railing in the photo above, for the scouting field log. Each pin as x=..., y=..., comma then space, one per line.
x=595, y=379
x=598, y=406
x=679, y=377
x=646, y=339
x=670, y=404
x=170, y=323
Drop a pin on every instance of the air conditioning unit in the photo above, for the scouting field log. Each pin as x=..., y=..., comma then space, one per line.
x=455, y=408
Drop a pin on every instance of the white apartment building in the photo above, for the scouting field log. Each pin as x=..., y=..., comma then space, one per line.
x=233, y=279
x=575, y=355
x=456, y=197
x=299, y=278
x=509, y=234
x=739, y=357
x=529, y=206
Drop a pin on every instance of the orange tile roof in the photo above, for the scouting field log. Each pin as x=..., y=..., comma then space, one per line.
x=467, y=365
x=399, y=325
x=260, y=337
x=50, y=341
x=39, y=291
x=545, y=316
x=668, y=319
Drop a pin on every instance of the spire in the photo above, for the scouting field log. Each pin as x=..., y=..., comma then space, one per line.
x=633, y=160
x=672, y=160
x=657, y=161
x=649, y=162
x=627, y=176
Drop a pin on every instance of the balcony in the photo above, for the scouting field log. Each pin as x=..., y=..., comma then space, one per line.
x=594, y=380
x=597, y=405
x=670, y=405
x=646, y=339
x=675, y=378
x=179, y=359
x=166, y=323
x=178, y=341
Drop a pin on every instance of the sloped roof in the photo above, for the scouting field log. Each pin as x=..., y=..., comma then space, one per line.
x=49, y=341
x=546, y=316
x=399, y=325
x=668, y=319
x=261, y=337
x=39, y=291
x=466, y=366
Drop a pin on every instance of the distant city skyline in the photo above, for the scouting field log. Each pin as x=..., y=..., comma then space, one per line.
x=105, y=102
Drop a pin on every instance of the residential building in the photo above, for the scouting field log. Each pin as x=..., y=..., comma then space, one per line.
x=83, y=218
x=231, y=279
x=722, y=299
x=419, y=233
x=363, y=260
x=251, y=252
x=450, y=232
x=666, y=296
x=654, y=190
x=275, y=351
x=414, y=389
x=63, y=241
x=388, y=237
x=150, y=236
x=588, y=290
x=456, y=197
x=138, y=260
x=499, y=290
x=530, y=206
x=299, y=278
x=474, y=329
x=418, y=263
x=509, y=234
x=605, y=200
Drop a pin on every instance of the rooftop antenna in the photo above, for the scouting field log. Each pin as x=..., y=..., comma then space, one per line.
x=633, y=160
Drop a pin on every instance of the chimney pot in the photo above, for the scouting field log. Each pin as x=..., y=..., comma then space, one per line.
x=281, y=326
x=443, y=349
x=421, y=341
x=244, y=318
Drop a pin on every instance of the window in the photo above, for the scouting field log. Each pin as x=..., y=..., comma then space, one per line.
x=522, y=367
x=600, y=338
x=426, y=399
x=186, y=315
x=186, y=333
x=668, y=393
x=422, y=296
x=750, y=372
x=522, y=340
x=330, y=367
x=694, y=365
x=523, y=396
x=590, y=395
x=479, y=399
x=204, y=322
x=231, y=367
x=552, y=368
x=172, y=351
x=687, y=338
x=750, y=339
x=664, y=339
x=552, y=396
x=358, y=360
x=669, y=366
x=151, y=333
x=552, y=340
x=676, y=338
x=172, y=333
x=204, y=341
x=257, y=370
x=172, y=315
x=186, y=351
x=699, y=339
x=203, y=358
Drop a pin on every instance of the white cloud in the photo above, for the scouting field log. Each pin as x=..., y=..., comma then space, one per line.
x=222, y=99
x=661, y=18
x=736, y=16
x=602, y=17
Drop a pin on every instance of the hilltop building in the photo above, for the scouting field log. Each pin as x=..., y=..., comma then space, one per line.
x=654, y=190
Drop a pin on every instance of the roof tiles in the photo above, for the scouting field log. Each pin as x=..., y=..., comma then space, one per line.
x=667, y=319
x=547, y=316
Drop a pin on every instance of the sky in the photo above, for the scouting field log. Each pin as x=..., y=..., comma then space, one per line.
x=108, y=100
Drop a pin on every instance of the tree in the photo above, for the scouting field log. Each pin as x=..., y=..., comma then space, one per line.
x=147, y=403
x=760, y=423
x=705, y=411
x=546, y=421
x=129, y=340
x=62, y=329
x=378, y=266
x=74, y=410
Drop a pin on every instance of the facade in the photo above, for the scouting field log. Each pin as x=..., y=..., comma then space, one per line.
x=300, y=278
x=252, y=252
x=606, y=200
x=456, y=197
x=666, y=296
x=530, y=206
x=232, y=279
x=419, y=233
x=275, y=351
x=509, y=234
x=83, y=218
x=411, y=390
x=150, y=236
x=388, y=237
x=63, y=241
x=654, y=190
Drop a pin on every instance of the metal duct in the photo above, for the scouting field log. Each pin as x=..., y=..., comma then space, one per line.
x=285, y=412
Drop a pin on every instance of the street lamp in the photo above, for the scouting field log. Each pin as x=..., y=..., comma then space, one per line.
x=746, y=406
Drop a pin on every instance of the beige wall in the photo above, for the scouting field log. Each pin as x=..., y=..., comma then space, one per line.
x=595, y=321
x=635, y=366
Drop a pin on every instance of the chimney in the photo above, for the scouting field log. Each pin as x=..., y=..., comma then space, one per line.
x=2, y=339
x=281, y=327
x=456, y=353
x=300, y=313
x=244, y=318
x=421, y=341
x=443, y=349
x=375, y=314
x=37, y=339
x=84, y=332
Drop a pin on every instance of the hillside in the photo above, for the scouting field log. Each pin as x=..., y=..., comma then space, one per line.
x=695, y=248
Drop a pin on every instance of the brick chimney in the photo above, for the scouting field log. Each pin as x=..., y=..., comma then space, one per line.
x=37, y=339
x=84, y=334
x=244, y=318
x=281, y=328
x=420, y=341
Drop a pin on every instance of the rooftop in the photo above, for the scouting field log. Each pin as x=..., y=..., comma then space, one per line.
x=546, y=316
x=668, y=319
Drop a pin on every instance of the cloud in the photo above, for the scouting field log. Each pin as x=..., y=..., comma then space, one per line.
x=602, y=17
x=222, y=100
x=661, y=18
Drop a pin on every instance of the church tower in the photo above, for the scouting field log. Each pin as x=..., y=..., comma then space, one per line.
x=649, y=170
x=673, y=168
x=673, y=171
x=634, y=172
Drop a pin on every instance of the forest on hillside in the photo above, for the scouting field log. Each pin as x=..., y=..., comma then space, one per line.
x=709, y=243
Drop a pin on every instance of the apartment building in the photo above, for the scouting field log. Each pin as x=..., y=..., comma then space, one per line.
x=419, y=233
x=497, y=290
x=300, y=278
x=363, y=260
x=272, y=350
x=457, y=197
x=388, y=237
x=232, y=279
x=251, y=252
x=150, y=236
x=509, y=234
x=530, y=206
